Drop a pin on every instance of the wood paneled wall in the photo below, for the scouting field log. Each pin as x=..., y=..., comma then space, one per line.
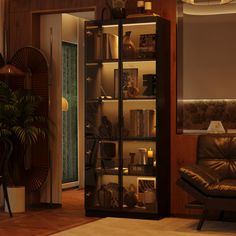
x=2, y=7
x=21, y=33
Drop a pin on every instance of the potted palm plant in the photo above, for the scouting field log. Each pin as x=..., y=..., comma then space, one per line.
x=20, y=127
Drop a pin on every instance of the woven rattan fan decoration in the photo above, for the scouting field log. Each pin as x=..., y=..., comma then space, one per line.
x=34, y=64
x=30, y=60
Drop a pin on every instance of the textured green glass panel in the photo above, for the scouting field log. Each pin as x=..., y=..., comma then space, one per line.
x=69, y=92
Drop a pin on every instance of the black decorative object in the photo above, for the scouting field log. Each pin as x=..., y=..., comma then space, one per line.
x=108, y=152
x=147, y=46
x=149, y=84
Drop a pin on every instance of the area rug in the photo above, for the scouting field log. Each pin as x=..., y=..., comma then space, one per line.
x=163, y=227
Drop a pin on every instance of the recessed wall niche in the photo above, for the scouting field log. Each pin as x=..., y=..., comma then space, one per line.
x=206, y=56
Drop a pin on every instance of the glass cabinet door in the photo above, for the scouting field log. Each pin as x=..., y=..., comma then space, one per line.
x=139, y=112
x=102, y=124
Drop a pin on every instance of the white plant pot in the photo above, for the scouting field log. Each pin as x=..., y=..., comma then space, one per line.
x=16, y=197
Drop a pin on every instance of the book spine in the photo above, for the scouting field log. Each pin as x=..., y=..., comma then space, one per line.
x=149, y=123
x=136, y=123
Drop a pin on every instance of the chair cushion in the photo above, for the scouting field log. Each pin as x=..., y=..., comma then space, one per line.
x=208, y=181
x=225, y=188
x=199, y=176
x=218, y=152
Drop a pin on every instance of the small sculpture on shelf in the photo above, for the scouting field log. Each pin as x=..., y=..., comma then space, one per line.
x=105, y=129
x=132, y=91
x=130, y=197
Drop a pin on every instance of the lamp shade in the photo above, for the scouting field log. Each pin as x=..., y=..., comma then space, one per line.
x=10, y=70
x=64, y=104
x=215, y=126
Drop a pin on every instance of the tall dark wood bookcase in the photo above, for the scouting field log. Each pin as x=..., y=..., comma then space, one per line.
x=127, y=117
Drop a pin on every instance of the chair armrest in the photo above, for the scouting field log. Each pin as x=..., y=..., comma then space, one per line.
x=199, y=176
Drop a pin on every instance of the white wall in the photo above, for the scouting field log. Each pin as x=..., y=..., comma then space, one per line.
x=69, y=28
x=209, y=56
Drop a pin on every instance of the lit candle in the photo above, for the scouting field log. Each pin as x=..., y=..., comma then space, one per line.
x=150, y=153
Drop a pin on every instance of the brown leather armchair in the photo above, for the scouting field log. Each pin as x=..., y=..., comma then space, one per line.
x=212, y=180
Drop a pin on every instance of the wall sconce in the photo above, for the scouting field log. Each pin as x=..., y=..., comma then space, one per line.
x=64, y=104
x=215, y=127
x=10, y=70
x=207, y=2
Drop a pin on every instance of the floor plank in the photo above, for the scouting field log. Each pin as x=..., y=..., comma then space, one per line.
x=35, y=222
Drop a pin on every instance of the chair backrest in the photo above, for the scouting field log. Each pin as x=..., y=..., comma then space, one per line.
x=218, y=152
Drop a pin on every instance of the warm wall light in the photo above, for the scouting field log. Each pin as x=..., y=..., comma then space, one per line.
x=64, y=104
x=10, y=70
x=207, y=2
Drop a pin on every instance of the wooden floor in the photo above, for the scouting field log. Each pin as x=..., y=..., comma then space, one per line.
x=47, y=221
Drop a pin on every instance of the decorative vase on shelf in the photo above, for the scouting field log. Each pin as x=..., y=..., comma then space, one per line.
x=128, y=46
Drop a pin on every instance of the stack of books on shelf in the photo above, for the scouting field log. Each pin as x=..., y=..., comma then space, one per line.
x=142, y=123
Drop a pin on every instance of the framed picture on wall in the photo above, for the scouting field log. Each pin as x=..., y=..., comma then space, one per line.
x=129, y=82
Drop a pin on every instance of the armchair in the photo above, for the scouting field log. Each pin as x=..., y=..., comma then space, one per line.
x=212, y=180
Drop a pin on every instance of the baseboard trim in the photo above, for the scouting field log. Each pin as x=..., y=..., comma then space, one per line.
x=70, y=185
